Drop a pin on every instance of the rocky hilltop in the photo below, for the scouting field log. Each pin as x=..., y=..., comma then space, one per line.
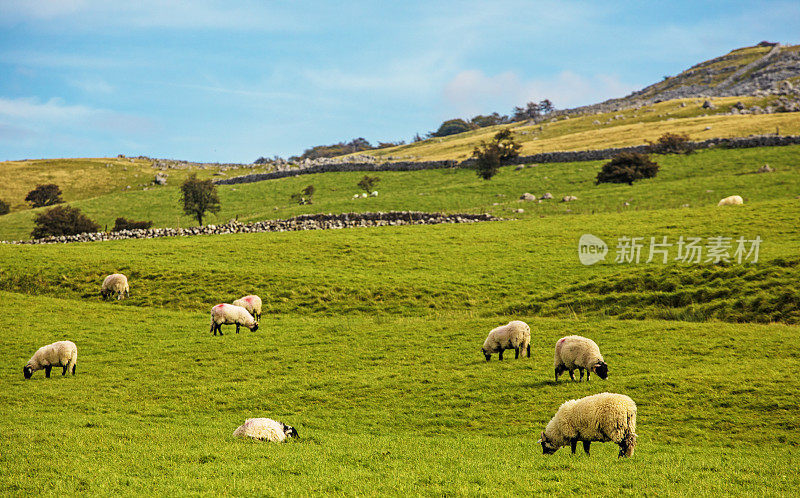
x=767, y=68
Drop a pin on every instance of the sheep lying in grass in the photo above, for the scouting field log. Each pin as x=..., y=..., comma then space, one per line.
x=266, y=429
x=579, y=352
x=228, y=314
x=59, y=354
x=514, y=335
x=252, y=304
x=733, y=200
x=601, y=417
x=116, y=283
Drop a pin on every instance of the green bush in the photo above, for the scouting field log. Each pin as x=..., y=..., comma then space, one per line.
x=490, y=156
x=672, y=143
x=62, y=220
x=627, y=167
x=44, y=195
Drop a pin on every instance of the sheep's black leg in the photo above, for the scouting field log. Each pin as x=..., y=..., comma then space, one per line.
x=558, y=372
x=516, y=353
x=529, y=350
x=622, y=449
x=573, y=444
x=586, y=446
x=571, y=375
x=581, y=371
x=64, y=371
x=73, y=368
x=237, y=328
x=500, y=356
x=588, y=371
x=47, y=371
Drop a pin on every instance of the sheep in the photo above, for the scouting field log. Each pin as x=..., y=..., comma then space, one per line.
x=600, y=417
x=228, y=314
x=733, y=200
x=515, y=335
x=59, y=354
x=266, y=429
x=579, y=352
x=252, y=304
x=115, y=283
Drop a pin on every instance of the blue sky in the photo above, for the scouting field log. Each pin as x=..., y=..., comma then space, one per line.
x=231, y=81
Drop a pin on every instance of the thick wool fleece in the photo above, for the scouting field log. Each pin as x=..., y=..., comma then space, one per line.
x=515, y=334
x=116, y=283
x=251, y=303
x=58, y=354
x=264, y=429
x=601, y=417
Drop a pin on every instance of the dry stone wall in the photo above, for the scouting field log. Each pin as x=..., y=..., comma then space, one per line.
x=303, y=222
x=545, y=157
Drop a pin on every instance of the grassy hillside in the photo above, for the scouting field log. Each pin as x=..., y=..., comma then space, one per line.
x=698, y=180
x=370, y=341
x=620, y=128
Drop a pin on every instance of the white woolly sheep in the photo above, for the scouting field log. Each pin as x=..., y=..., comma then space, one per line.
x=265, y=429
x=252, y=304
x=115, y=283
x=59, y=354
x=514, y=335
x=601, y=417
x=733, y=200
x=579, y=352
x=228, y=314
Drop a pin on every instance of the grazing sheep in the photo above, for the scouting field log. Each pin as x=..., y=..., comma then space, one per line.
x=579, y=352
x=252, y=304
x=228, y=314
x=514, y=335
x=733, y=200
x=115, y=283
x=59, y=354
x=265, y=429
x=601, y=417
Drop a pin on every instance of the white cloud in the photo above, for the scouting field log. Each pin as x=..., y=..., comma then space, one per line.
x=55, y=115
x=93, y=86
x=473, y=92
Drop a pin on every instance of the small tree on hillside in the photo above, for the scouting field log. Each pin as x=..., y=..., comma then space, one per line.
x=627, y=167
x=199, y=197
x=672, y=143
x=490, y=156
x=125, y=224
x=368, y=183
x=304, y=196
x=62, y=220
x=44, y=195
x=4, y=207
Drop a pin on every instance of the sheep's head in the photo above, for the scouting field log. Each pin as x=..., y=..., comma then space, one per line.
x=289, y=431
x=254, y=327
x=601, y=369
x=27, y=371
x=487, y=354
x=548, y=448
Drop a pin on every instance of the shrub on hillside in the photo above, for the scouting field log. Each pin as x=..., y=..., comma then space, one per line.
x=124, y=224
x=62, y=220
x=304, y=196
x=199, y=197
x=368, y=183
x=4, y=207
x=44, y=195
x=451, y=127
x=672, y=143
x=627, y=167
x=490, y=156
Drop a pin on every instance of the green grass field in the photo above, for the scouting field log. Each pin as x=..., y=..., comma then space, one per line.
x=370, y=342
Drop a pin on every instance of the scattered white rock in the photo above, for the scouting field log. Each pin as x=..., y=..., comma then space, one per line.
x=528, y=197
x=569, y=198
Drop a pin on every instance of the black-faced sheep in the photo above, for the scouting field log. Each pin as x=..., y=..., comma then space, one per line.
x=266, y=429
x=514, y=335
x=228, y=314
x=252, y=304
x=601, y=417
x=579, y=352
x=116, y=283
x=59, y=354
